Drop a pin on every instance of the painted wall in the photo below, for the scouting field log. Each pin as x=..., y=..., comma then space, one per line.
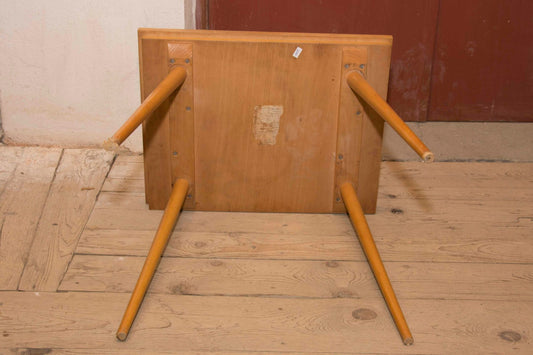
x=69, y=76
x=69, y=72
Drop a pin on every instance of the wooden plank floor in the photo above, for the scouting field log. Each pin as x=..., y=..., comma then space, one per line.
x=456, y=238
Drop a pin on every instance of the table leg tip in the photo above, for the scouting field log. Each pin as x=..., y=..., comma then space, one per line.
x=428, y=157
x=111, y=145
x=408, y=341
x=122, y=336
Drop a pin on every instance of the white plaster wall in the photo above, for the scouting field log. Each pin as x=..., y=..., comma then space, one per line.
x=69, y=70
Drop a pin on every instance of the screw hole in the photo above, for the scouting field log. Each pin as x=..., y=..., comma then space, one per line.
x=172, y=60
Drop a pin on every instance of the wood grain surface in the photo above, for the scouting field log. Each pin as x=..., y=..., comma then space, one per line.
x=254, y=127
x=454, y=237
x=77, y=182
x=249, y=324
x=21, y=205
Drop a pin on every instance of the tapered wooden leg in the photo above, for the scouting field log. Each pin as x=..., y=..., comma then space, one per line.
x=166, y=87
x=362, y=88
x=170, y=216
x=367, y=242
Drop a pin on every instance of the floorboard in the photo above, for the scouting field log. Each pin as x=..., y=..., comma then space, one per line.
x=78, y=180
x=21, y=205
x=306, y=279
x=456, y=239
x=192, y=323
x=405, y=241
x=9, y=160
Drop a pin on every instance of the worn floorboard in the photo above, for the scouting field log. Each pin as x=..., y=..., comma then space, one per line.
x=192, y=323
x=9, y=160
x=72, y=196
x=300, y=278
x=456, y=239
x=21, y=204
x=414, y=242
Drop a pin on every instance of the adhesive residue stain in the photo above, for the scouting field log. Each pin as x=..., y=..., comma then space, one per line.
x=266, y=123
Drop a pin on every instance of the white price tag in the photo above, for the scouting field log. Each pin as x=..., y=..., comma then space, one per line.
x=297, y=52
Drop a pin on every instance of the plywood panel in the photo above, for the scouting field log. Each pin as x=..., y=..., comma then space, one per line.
x=350, y=125
x=265, y=121
x=181, y=113
x=156, y=135
x=266, y=126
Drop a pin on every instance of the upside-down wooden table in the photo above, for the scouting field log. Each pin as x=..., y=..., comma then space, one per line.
x=263, y=122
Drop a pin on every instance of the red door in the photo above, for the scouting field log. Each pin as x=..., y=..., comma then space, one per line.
x=452, y=60
x=483, y=65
